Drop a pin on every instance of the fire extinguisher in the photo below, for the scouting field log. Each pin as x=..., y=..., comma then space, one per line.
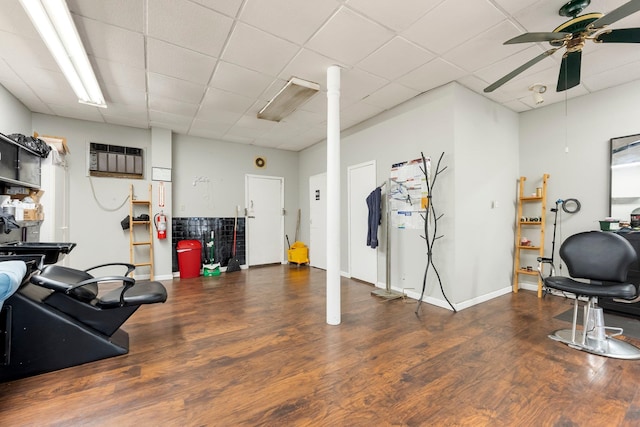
x=160, y=221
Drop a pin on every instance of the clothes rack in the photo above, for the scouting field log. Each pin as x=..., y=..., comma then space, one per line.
x=387, y=293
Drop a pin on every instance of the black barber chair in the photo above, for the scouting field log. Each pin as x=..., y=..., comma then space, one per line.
x=602, y=259
x=65, y=317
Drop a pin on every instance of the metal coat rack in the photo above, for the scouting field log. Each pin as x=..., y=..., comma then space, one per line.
x=387, y=293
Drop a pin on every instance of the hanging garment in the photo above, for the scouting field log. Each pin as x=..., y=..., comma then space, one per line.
x=9, y=222
x=374, y=202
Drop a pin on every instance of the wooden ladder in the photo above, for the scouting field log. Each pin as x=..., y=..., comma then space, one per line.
x=136, y=208
x=531, y=224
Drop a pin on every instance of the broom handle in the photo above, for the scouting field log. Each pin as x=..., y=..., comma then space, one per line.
x=235, y=227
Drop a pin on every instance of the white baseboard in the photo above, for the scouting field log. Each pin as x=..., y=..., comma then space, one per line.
x=415, y=294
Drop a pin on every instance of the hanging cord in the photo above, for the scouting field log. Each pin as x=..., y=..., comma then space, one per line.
x=569, y=206
x=427, y=236
x=93, y=191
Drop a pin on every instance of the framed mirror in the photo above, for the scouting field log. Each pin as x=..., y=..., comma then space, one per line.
x=625, y=179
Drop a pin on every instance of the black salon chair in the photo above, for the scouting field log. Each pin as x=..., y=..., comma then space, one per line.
x=66, y=317
x=597, y=263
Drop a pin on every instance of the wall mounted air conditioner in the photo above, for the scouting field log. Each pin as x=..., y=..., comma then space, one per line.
x=115, y=161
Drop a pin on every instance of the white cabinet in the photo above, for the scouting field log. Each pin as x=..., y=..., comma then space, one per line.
x=55, y=200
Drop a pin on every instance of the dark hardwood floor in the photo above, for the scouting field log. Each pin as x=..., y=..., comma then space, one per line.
x=253, y=348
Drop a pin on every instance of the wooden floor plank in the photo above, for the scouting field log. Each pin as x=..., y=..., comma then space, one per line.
x=253, y=348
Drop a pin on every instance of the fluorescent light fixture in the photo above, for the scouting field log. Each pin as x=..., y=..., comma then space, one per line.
x=53, y=21
x=295, y=93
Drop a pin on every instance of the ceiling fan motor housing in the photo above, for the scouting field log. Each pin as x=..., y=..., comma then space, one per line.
x=573, y=8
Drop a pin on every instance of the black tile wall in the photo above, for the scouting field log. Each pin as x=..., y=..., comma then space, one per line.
x=200, y=228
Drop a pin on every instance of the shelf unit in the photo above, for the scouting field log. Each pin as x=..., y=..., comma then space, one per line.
x=136, y=208
x=538, y=226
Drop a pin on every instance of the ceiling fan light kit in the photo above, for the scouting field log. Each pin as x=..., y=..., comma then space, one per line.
x=537, y=90
x=572, y=36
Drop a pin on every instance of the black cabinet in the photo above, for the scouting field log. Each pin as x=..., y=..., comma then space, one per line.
x=633, y=276
x=18, y=164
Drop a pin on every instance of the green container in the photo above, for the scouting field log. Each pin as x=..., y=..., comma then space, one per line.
x=609, y=225
x=210, y=270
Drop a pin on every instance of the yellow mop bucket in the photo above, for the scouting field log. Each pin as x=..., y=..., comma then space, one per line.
x=298, y=253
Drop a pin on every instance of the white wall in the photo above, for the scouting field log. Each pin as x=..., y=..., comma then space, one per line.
x=472, y=132
x=486, y=172
x=223, y=166
x=584, y=126
x=94, y=219
x=14, y=116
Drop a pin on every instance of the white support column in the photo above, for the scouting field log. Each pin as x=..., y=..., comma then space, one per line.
x=333, y=195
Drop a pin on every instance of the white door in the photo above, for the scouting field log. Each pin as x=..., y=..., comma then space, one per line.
x=318, y=221
x=363, y=260
x=265, y=220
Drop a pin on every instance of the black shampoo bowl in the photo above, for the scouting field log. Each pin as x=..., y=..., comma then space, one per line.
x=52, y=251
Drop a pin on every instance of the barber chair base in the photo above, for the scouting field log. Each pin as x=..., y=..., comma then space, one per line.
x=43, y=339
x=610, y=347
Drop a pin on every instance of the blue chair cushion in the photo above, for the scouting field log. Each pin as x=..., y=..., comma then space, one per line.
x=11, y=275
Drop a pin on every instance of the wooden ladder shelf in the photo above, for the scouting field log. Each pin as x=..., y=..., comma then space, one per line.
x=136, y=247
x=533, y=225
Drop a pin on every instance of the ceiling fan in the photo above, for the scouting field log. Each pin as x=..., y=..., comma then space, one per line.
x=572, y=36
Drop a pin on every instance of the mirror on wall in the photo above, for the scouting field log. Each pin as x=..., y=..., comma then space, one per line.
x=625, y=179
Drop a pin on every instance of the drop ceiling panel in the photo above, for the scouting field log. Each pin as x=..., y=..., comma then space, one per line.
x=431, y=75
x=218, y=99
x=189, y=25
x=240, y=80
x=258, y=51
x=613, y=77
x=119, y=74
x=395, y=59
x=308, y=65
x=390, y=96
x=388, y=13
x=127, y=14
x=356, y=113
x=80, y=112
x=251, y=121
x=513, y=6
x=170, y=121
x=349, y=37
x=14, y=19
x=22, y=52
x=292, y=20
x=445, y=27
x=112, y=43
x=227, y=7
x=502, y=67
x=357, y=84
x=159, y=103
x=175, y=61
x=125, y=111
x=125, y=95
x=490, y=43
x=126, y=121
x=170, y=87
x=218, y=118
x=205, y=129
x=59, y=96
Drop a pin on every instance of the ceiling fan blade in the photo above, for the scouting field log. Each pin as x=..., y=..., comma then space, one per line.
x=537, y=37
x=617, y=14
x=520, y=69
x=569, y=71
x=623, y=35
